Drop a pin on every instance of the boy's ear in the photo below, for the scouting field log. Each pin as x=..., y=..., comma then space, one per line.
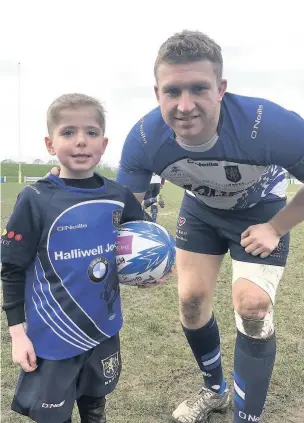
x=104, y=145
x=49, y=146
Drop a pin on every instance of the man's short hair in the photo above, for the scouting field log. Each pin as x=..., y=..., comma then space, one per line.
x=190, y=46
x=74, y=101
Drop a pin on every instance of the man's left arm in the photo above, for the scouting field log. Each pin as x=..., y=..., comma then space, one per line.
x=287, y=150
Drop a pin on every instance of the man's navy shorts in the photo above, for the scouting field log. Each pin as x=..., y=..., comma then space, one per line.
x=206, y=230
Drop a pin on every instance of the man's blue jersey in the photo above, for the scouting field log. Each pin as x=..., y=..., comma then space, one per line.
x=241, y=166
x=65, y=237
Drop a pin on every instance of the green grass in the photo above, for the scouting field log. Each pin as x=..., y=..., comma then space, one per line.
x=158, y=368
x=11, y=171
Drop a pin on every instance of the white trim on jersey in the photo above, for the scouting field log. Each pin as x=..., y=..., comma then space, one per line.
x=118, y=203
x=90, y=342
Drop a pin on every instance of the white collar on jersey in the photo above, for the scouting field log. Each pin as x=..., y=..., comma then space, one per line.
x=200, y=147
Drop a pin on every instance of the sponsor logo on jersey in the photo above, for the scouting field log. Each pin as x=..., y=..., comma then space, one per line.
x=72, y=227
x=202, y=163
x=256, y=126
x=141, y=130
x=98, y=269
x=116, y=216
x=233, y=173
x=124, y=245
x=110, y=366
x=5, y=242
x=34, y=189
x=12, y=235
x=181, y=221
x=78, y=253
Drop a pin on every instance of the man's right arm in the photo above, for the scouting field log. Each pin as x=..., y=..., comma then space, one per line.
x=134, y=172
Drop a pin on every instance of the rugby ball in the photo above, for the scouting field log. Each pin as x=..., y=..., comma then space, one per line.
x=145, y=252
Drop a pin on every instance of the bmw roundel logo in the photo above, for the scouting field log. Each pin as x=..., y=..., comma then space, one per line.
x=98, y=269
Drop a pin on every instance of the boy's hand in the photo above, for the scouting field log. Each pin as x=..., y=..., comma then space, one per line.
x=23, y=352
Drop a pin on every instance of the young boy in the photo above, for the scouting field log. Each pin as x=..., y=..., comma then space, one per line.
x=59, y=273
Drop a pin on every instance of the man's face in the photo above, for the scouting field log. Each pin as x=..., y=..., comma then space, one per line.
x=189, y=96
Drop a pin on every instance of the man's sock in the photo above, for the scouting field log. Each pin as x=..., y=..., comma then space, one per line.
x=205, y=345
x=253, y=364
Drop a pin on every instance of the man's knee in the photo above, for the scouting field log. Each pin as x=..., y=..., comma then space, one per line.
x=253, y=306
x=192, y=307
x=253, y=310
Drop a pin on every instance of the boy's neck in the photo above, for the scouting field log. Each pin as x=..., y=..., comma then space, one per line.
x=70, y=174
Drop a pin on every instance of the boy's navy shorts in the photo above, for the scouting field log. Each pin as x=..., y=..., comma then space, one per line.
x=206, y=230
x=48, y=394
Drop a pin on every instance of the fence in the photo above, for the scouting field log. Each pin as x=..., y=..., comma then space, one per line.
x=32, y=179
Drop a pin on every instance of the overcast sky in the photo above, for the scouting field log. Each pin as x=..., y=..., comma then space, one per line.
x=107, y=48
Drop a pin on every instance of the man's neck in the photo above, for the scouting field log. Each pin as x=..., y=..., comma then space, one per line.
x=205, y=137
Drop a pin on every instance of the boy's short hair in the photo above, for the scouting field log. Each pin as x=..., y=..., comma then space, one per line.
x=74, y=101
x=190, y=46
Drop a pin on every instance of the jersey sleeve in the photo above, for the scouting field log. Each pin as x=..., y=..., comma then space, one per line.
x=132, y=210
x=21, y=236
x=133, y=171
x=287, y=147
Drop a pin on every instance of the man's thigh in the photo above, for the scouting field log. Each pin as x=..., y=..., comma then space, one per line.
x=266, y=272
x=239, y=220
x=195, y=230
x=209, y=231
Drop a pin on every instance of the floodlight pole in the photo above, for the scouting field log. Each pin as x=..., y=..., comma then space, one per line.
x=19, y=123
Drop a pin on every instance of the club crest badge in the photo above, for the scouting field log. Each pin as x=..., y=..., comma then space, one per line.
x=110, y=365
x=233, y=173
x=116, y=216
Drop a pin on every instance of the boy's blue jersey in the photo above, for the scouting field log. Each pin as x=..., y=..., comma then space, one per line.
x=238, y=168
x=66, y=238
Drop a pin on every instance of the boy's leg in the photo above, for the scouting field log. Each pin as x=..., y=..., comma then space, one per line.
x=92, y=409
x=48, y=394
x=98, y=378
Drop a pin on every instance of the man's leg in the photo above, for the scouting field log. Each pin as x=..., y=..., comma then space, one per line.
x=199, y=256
x=197, y=276
x=255, y=347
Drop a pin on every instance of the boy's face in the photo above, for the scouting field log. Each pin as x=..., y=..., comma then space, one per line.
x=78, y=142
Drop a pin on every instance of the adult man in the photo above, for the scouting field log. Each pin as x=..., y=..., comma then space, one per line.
x=153, y=197
x=228, y=152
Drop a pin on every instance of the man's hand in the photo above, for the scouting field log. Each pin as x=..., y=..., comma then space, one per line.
x=260, y=240
x=23, y=352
